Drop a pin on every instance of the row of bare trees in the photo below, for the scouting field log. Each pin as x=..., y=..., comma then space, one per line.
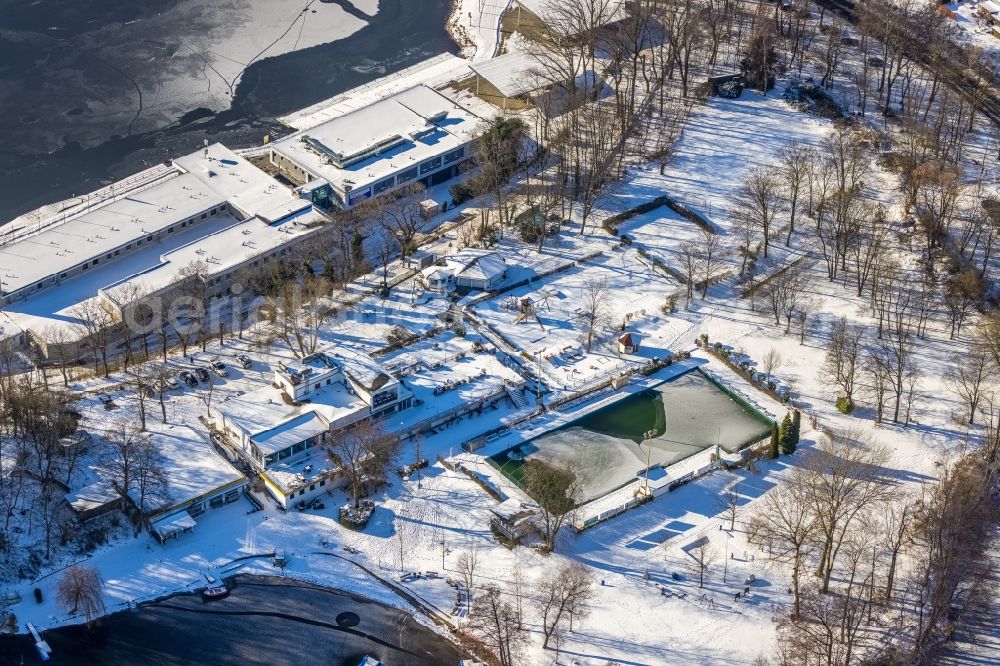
x=867, y=558
x=559, y=598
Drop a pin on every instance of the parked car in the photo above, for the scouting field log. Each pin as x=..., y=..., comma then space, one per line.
x=245, y=361
x=172, y=384
x=189, y=379
x=219, y=368
x=148, y=390
x=202, y=374
x=316, y=504
x=105, y=400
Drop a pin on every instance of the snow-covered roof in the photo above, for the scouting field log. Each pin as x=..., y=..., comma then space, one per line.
x=199, y=184
x=192, y=466
x=989, y=7
x=94, y=496
x=241, y=184
x=510, y=73
x=171, y=525
x=434, y=72
x=260, y=412
x=470, y=264
x=370, y=143
x=103, y=230
x=299, y=429
x=224, y=247
x=610, y=10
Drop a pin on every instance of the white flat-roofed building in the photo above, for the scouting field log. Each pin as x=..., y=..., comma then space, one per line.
x=416, y=135
x=211, y=207
x=280, y=430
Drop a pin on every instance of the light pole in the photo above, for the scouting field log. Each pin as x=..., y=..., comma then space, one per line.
x=648, y=437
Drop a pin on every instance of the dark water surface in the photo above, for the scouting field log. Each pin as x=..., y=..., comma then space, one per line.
x=55, y=68
x=279, y=623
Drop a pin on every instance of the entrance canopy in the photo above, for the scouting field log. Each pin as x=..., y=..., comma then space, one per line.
x=172, y=526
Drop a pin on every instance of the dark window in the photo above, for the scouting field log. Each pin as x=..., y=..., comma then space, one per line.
x=312, y=486
x=381, y=187
x=170, y=230
x=454, y=155
x=407, y=175
x=430, y=165
x=204, y=215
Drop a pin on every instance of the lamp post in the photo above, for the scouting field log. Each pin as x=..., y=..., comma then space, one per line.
x=647, y=437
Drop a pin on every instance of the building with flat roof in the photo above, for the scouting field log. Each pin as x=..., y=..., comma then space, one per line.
x=418, y=135
x=211, y=208
x=280, y=429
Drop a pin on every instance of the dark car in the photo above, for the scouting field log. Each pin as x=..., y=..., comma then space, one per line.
x=189, y=379
x=203, y=375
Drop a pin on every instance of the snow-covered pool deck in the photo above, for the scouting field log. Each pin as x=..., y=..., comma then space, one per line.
x=660, y=478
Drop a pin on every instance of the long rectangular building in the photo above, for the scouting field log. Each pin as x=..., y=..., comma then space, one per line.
x=212, y=208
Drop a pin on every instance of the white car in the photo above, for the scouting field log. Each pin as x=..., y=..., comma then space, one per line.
x=219, y=368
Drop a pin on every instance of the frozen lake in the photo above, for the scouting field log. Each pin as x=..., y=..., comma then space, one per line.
x=94, y=90
x=688, y=413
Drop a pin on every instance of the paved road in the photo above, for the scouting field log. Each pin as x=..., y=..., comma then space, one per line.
x=261, y=622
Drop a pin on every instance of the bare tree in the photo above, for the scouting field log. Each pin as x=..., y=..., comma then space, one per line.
x=970, y=376
x=498, y=624
x=771, y=362
x=554, y=488
x=400, y=216
x=711, y=253
x=841, y=477
x=784, y=523
x=757, y=200
x=951, y=532
x=132, y=464
x=596, y=309
x=58, y=342
x=795, y=162
x=96, y=327
x=467, y=563
x=729, y=502
x=81, y=590
x=561, y=596
x=362, y=454
x=702, y=556
x=843, y=355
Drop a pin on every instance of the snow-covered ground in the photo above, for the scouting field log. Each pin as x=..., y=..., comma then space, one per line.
x=642, y=612
x=975, y=30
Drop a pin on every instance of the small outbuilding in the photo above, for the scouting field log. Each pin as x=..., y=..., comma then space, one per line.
x=628, y=343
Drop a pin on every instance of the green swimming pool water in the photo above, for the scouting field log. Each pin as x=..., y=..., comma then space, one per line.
x=688, y=414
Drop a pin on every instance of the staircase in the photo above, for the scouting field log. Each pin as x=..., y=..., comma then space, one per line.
x=516, y=396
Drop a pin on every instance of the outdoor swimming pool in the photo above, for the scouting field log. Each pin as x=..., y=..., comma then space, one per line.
x=689, y=413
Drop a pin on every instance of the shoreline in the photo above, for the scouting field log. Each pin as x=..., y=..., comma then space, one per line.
x=252, y=594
